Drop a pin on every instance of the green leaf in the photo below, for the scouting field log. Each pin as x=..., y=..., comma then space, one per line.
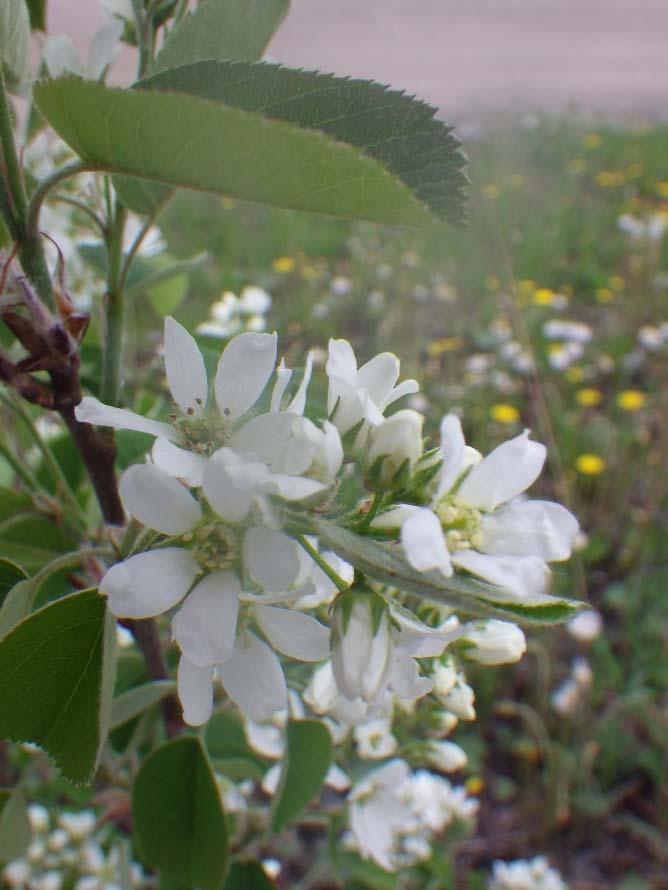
x=308, y=756
x=399, y=131
x=222, y=29
x=178, y=815
x=37, y=10
x=135, y=701
x=14, y=37
x=10, y=575
x=56, y=681
x=166, y=296
x=226, y=150
x=386, y=563
x=15, y=830
x=248, y=876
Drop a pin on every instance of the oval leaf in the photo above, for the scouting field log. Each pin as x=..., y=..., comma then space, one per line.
x=14, y=36
x=15, y=830
x=135, y=701
x=178, y=815
x=308, y=756
x=10, y=575
x=187, y=141
x=399, y=131
x=469, y=596
x=56, y=681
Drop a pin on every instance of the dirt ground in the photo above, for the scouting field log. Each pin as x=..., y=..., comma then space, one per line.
x=472, y=57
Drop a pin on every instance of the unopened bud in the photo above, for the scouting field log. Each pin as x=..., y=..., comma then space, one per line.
x=393, y=449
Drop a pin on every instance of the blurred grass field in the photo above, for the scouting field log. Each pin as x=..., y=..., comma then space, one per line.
x=545, y=313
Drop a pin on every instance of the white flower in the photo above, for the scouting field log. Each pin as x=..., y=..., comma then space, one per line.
x=495, y=642
x=374, y=739
x=525, y=874
x=586, y=626
x=453, y=691
x=393, y=448
x=361, y=644
x=358, y=398
x=477, y=523
x=244, y=369
x=61, y=56
x=571, y=331
x=438, y=803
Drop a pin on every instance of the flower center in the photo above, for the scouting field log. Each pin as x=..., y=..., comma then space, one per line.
x=202, y=433
x=214, y=545
x=461, y=525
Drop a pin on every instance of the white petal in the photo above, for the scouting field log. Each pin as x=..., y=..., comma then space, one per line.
x=406, y=680
x=265, y=738
x=423, y=541
x=523, y=528
x=228, y=484
x=253, y=679
x=104, y=49
x=378, y=377
x=61, y=56
x=341, y=361
x=273, y=559
x=453, y=448
x=205, y=626
x=405, y=388
x=294, y=634
x=195, y=688
x=524, y=576
x=149, y=583
x=298, y=404
x=283, y=376
x=182, y=464
x=345, y=405
x=158, y=500
x=277, y=440
x=392, y=520
x=337, y=779
x=271, y=779
x=184, y=365
x=506, y=472
x=294, y=488
x=90, y=410
x=243, y=371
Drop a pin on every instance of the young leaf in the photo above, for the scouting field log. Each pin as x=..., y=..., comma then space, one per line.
x=14, y=36
x=222, y=29
x=135, y=701
x=197, y=143
x=15, y=830
x=248, y=876
x=469, y=596
x=56, y=681
x=399, y=131
x=178, y=815
x=308, y=756
x=10, y=574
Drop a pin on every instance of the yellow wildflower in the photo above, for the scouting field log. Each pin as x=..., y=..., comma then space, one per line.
x=283, y=264
x=616, y=282
x=503, y=413
x=608, y=179
x=475, y=784
x=543, y=296
x=444, y=344
x=589, y=464
x=631, y=400
x=588, y=397
x=592, y=140
x=574, y=374
x=604, y=295
x=662, y=189
x=491, y=191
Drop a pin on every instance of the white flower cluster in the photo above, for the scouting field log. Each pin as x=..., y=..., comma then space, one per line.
x=526, y=874
x=396, y=814
x=231, y=315
x=68, y=850
x=227, y=488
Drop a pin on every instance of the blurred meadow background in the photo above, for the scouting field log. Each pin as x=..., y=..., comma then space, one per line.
x=550, y=311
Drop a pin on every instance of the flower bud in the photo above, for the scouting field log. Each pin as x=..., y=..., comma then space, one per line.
x=393, y=449
x=496, y=642
x=446, y=756
x=362, y=646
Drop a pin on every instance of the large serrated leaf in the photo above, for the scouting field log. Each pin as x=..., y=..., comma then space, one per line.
x=396, y=129
x=56, y=681
x=308, y=755
x=183, y=140
x=178, y=815
x=467, y=595
x=222, y=29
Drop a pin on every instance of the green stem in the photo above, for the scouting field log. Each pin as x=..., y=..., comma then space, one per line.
x=68, y=561
x=140, y=28
x=50, y=461
x=31, y=250
x=112, y=361
x=376, y=504
x=43, y=188
x=21, y=470
x=137, y=243
x=317, y=558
